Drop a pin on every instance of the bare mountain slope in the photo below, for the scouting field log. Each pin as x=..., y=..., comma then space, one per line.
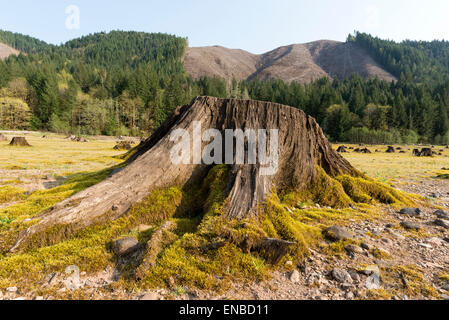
x=221, y=62
x=299, y=62
x=6, y=51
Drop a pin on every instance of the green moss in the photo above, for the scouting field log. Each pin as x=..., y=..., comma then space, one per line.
x=10, y=194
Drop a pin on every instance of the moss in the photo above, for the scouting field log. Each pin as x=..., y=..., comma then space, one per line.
x=10, y=194
x=365, y=190
x=381, y=254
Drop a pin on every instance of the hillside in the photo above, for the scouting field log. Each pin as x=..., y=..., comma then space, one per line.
x=6, y=51
x=299, y=62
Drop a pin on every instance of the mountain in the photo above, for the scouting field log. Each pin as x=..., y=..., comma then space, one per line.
x=6, y=51
x=301, y=63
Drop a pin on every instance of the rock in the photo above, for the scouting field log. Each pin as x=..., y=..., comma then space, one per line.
x=39, y=298
x=314, y=279
x=410, y=211
x=349, y=295
x=445, y=287
x=441, y=214
x=12, y=289
x=411, y=225
x=289, y=263
x=19, y=299
x=441, y=223
x=354, y=249
x=386, y=241
x=336, y=233
x=446, y=239
x=294, y=276
x=444, y=297
x=425, y=245
x=150, y=296
x=366, y=246
x=125, y=246
x=341, y=276
x=354, y=275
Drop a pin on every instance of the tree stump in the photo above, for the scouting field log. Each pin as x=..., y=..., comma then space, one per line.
x=20, y=142
x=304, y=155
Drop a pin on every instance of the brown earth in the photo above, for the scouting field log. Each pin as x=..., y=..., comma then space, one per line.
x=6, y=51
x=298, y=62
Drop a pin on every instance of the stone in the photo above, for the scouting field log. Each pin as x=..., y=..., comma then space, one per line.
x=353, y=249
x=411, y=211
x=39, y=298
x=294, y=276
x=366, y=246
x=441, y=223
x=425, y=245
x=314, y=279
x=441, y=214
x=125, y=246
x=341, y=276
x=12, y=289
x=386, y=241
x=150, y=296
x=289, y=263
x=444, y=297
x=411, y=225
x=336, y=233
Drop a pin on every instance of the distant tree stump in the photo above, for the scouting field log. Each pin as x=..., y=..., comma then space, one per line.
x=19, y=142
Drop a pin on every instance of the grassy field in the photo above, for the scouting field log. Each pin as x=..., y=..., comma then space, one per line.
x=397, y=166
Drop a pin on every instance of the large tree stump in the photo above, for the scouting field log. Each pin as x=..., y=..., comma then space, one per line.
x=302, y=148
x=20, y=142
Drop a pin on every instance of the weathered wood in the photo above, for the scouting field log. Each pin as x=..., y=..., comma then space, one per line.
x=302, y=147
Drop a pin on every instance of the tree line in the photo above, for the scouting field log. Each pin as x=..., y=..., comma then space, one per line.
x=123, y=83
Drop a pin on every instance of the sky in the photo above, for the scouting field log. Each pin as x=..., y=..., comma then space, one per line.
x=253, y=25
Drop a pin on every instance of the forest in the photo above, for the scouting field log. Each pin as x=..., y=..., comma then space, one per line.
x=127, y=83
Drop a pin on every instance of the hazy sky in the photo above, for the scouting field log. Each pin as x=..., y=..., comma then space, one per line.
x=253, y=25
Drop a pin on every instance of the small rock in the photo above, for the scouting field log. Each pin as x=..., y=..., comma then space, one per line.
x=446, y=239
x=150, y=296
x=441, y=214
x=386, y=240
x=441, y=223
x=289, y=263
x=341, y=276
x=353, y=249
x=411, y=225
x=12, y=289
x=315, y=279
x=336, y=233
x=444, y=297
x=125, y=246
x=445, y=287
x=366, y=246
x=354, y=275
x=19, y=299
x=425, y=245
x=349, y=295
x=294, y=276
x=411, y=211
x=39, y=298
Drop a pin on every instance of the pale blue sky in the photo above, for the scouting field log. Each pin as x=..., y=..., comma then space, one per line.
x=253, y=25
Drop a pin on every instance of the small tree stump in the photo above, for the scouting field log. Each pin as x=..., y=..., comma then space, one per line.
x=20, y=142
